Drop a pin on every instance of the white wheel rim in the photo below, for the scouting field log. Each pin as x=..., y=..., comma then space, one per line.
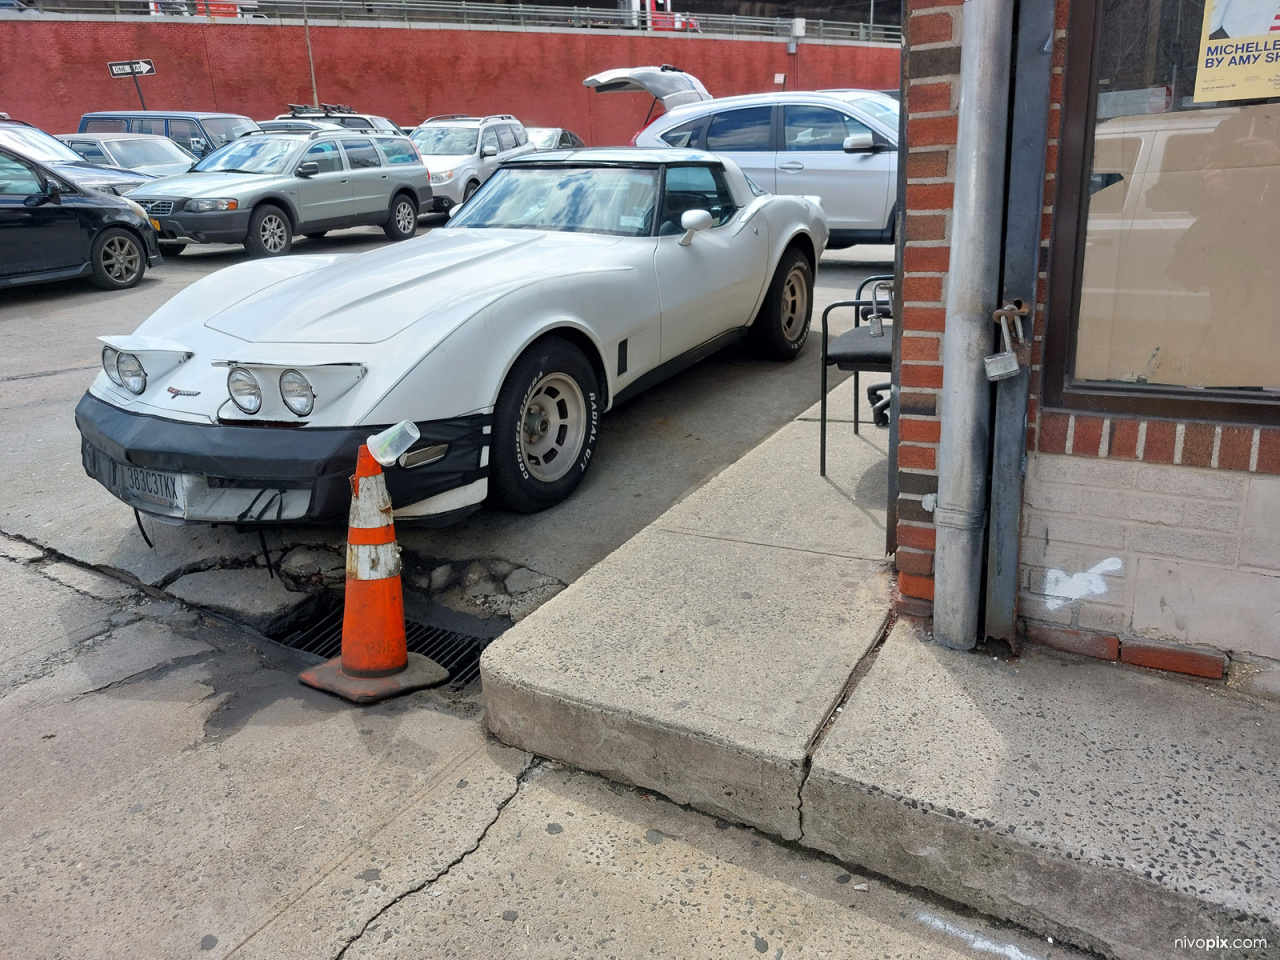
x=553, y=424
x=406, y=218
x=795, y=304
x=272, y=232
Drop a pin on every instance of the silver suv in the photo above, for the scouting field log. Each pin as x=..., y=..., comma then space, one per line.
x=841, y=146
x=463, y=152
x=264, y=188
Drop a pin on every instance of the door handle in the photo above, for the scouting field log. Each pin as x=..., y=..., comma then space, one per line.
x=791, y=166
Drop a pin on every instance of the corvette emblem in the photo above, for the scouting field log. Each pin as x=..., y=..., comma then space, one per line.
x=174, y=391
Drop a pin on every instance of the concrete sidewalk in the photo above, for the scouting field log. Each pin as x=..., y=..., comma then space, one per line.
x=730, y=656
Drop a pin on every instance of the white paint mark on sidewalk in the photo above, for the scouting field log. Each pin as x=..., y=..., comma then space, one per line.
x=975, y=940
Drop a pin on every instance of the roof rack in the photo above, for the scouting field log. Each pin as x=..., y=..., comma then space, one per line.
x=337, y=108
x=499, y=116
x=327, y=109
x=451, y=116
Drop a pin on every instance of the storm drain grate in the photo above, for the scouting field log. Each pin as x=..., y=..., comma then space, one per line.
x=458, y=653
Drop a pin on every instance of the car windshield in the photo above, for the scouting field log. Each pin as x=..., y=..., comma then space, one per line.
x=253, y=155
x=445, y=141
x=225, y=129
x=617, y=201
x=140, y=153
x=37, y=145
x=543, y=138
x=880, y=107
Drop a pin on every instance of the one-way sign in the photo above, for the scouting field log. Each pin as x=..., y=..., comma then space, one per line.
x=131, y=68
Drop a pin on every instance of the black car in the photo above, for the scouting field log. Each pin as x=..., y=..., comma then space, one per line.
x=52, y=228
x=35, y=144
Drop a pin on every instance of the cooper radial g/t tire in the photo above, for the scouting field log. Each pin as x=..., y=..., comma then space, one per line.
x=545, y=426
x=782, y=325
x=270, y=232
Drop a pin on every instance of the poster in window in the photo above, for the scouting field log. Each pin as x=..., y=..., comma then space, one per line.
x=1239, y=51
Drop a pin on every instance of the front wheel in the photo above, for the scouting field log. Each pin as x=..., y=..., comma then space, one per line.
x=403, y=222
x=545, y=426
x=470, y=188
x=270, y=233
x=782, y=325
x=118, y=259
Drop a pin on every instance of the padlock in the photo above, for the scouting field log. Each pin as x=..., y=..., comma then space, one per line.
x=1002, y=366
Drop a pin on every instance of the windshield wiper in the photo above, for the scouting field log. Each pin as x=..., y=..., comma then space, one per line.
x=229, y=170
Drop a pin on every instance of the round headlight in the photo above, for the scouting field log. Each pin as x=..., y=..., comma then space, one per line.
x=109, y=357
x=129, y=370
x=244, y=389
x=296, y=392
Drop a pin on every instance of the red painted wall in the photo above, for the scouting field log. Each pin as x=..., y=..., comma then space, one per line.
x=407, y=75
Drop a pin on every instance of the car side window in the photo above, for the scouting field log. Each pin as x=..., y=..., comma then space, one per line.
x=522, y=137
x=695, y=188
x=398, y=152
x=17, y=179
x=739, y=130
x=325, y=154
x=147, y=125
x=106, y=126
x=506, y=139
x=182, y=132
x=686, y=135
x=90, y=151
x=489, y=139
x=818, y=128
x=361, y=154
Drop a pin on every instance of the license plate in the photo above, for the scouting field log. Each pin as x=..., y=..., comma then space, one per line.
x=154, y=487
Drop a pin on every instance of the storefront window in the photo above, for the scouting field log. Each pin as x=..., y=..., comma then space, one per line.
x=1179, y=276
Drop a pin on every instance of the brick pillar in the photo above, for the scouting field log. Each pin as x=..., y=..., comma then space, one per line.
x=932, y=33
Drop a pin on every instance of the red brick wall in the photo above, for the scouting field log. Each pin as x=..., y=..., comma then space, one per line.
x=406, y=75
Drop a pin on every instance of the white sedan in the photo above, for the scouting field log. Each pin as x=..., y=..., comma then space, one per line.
x=568, y=283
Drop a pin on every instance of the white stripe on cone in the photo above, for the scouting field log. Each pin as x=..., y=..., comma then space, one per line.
x=371, y=509
x=371, y=506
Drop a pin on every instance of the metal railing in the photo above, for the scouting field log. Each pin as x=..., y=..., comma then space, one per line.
x=474, y=14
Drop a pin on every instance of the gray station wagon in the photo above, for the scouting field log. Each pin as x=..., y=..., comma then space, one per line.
x=264, y=189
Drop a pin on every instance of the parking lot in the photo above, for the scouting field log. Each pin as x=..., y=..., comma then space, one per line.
x=653, y=451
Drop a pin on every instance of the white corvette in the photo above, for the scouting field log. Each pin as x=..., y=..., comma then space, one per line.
x=570, y=282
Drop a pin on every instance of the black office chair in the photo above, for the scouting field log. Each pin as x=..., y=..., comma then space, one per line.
x=862, y=348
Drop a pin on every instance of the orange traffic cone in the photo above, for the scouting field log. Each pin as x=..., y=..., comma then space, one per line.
x=374, y=663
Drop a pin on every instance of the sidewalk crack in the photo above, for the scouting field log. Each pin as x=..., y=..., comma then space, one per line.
x=533, y=765
x=860, y=670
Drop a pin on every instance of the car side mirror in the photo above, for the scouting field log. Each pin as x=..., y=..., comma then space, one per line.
x=198, y=146
x=50, y=192
x=859, y=143
x=692, y=221
x=308, y=169
x=488, y=150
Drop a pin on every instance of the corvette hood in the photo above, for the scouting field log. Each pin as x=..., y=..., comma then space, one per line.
x=374, y=296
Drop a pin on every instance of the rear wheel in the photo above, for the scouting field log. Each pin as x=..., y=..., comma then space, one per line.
x=118, y=259
x=782, y=325
x=403, y=222
x=270, y=233
x=545, y=426
x=172, y=249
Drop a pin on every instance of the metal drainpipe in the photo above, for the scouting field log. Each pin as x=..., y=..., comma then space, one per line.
x=973, y=286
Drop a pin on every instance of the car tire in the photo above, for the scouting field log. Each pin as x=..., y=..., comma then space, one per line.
x=118, y=259
x=545, y=426
x=270, y=232
x=782, y=325
x=172, y=249
x=471, y=187
x=403, y=220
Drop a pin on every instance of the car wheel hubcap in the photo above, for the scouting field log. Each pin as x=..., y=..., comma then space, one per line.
x=795, y=304
x=552, y=427
x=120, y=259
x=272, y=233
x=405, y=217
